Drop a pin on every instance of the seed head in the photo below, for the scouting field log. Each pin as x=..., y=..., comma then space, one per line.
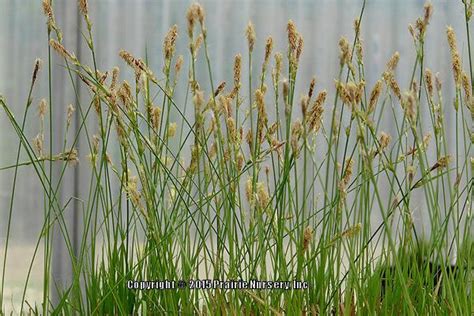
x=200, y=14
x=304, y=104
x=273, y=128
x=409, y=105
x=352, y=231
x=213, y=150
x=286, y=89
x=262, y=195
x=429, y=81
x=293, y=36
x=84, y=7
x=384, y=141
x=343, y=92
x=226, y=105
x=197, y=45
x=296, y=132
x=169, y=43
x=47, y=9
x=249, y=191
x=359, y=52
x=42, y=108
x=277, y=70
x=356, y=25
x=299, y=49
x=171, y=130
x=125, y=94
x=426, y=141
x=307, y=237
x=262, y=114
x=38, y=143
x=390, y=78
x=411, y=172
x=195, y=13
x=178, y=65
x=438, y=83
x=36, y=69
x=133, y=193
x=428, y=13
x=393, y=62
x=121, y=132
x=240, y=161
x=345, y=55
x=455, y=59
x=317, y=111
x=137, y=64
x=347, y=175
x=198, y=100
x=231, y=130
x=195, y=150
x=70, y=112
x=268, y=49
x=219, y=89
x=351, y=93
x=51, y=22
x=155, y=117
x=466, y=84
x=69, y=155
x=312, y=84
x=374, y=96
x=59, y=48
x=237, y=70
x=115, y=75
x=95, y=143
x=442, y=163
x=251, y=37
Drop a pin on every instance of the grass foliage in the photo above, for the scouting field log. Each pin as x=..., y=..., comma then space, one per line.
x=252, y=183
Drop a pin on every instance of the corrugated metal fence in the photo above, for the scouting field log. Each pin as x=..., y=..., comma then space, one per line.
x=139, y=26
